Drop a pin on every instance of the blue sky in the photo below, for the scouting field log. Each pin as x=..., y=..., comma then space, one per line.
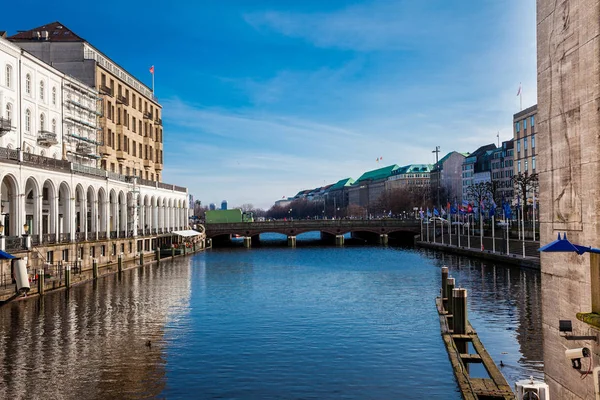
x=264, y=98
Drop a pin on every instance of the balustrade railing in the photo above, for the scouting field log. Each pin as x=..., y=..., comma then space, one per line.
x=80, y=236
x=49, y=238
x=9, y=154
x=113, y=234
x=46, y=162
x=13, y=243
x=101, y=235
x=65, y=238
x=35, y=240
x=121, y=234
x=160, y=230
x=154, y=231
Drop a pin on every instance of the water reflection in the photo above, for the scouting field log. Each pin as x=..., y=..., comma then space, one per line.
x=505, y=308
x=276, y=323
x=91, y=342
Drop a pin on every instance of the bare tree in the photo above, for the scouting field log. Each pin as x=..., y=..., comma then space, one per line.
x=523, y=183
x=479, y=192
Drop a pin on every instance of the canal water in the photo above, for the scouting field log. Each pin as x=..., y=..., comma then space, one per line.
x=267, y=323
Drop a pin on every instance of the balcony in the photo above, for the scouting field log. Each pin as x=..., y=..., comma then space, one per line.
x=84, y=148
x=158, y=121
x=106, y=90
x=46, y=138
x=121, y=154
x=122, y=100
x=158, y=166
x=5, y=126
x=147, y=115
x=148, y=163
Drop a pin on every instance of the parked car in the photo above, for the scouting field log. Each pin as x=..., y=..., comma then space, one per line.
x=438, y=220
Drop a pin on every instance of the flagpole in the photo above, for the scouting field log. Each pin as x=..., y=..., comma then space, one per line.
x=493, y=234
x=481, y=226
x=534, y=213
x=458, y=226
x=442, y=224
x=469, y=230
x=523, y=226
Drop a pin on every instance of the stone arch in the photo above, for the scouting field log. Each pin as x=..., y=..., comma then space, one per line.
x=80, y=209
x=91, y=211
x=103, y=212
x=32, y=206
x=49, y=210
x=64, y=211
x=122, y=214
x=9, y=203
x=113, y=226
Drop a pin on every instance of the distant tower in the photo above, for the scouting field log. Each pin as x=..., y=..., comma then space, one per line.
x=212, y=207
x=224, y=205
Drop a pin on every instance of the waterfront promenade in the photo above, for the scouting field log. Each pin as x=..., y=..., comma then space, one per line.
x=492, y=249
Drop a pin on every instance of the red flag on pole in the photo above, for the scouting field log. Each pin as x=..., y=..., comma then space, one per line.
x=152, y=70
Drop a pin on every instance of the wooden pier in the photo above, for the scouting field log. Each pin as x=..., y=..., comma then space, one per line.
x=457, y=333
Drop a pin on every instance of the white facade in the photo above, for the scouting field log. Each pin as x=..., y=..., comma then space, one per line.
x=9, y=94
x=80, y=122
x=65, y=206
x=41, y=106
x=49, y=186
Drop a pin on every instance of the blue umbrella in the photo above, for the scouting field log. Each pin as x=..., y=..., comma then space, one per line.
x=5, y=256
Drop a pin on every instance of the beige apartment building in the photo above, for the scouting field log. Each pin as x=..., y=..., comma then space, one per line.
x=524, y=141
x=131, y=137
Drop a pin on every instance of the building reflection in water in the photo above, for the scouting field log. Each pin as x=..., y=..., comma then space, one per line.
x=502, y=296
x=92, y=341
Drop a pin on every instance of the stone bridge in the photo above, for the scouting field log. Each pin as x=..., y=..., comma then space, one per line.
x=378, y=228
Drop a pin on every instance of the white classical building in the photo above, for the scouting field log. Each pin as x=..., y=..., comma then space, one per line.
x=50, y=187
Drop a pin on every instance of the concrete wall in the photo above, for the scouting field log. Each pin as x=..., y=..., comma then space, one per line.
x=568, y=131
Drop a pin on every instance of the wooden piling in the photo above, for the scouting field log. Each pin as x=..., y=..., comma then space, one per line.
x=450, y=282
x=459, y=316
x=141, y=258
x=68, y=276
x=444, y=285
x=157, y=254
x=95, y=268
x=41, y=283
x=120, y=263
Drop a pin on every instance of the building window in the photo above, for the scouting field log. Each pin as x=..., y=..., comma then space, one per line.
x=53, y=126
x=8, y=72
x=54, y=96
x=28, y=84
x=93, y=251
x=27, y=120
x=42, y=122
x=103, y=250
x=518, y=146
x=533, y=163
x=519, y=166
x=517, y=126
x=9, y=111
x=525, y=143
x=41, y=90
x=532, y=121
x=526, y=166
x=533, y=141
x=525, y=124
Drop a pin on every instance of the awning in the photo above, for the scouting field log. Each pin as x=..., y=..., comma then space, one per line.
x=5, y=256
x=186, y=233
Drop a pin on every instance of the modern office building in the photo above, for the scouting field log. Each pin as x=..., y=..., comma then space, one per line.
x=131, y=118
x=502, y=171
x=447, y=176
x=476, y=168
x=524, y=138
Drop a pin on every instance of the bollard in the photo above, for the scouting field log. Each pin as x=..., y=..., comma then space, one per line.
x=68, y=276
x=449, y=289
x=444, y=283
x=339, y=240
x=172, y=252
x=41, y=283
x=157, y=254
x=459, y=319
x=141, y=258
x=120, y=263
x=184, y=249
x=194, y=247
x=95, y=268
